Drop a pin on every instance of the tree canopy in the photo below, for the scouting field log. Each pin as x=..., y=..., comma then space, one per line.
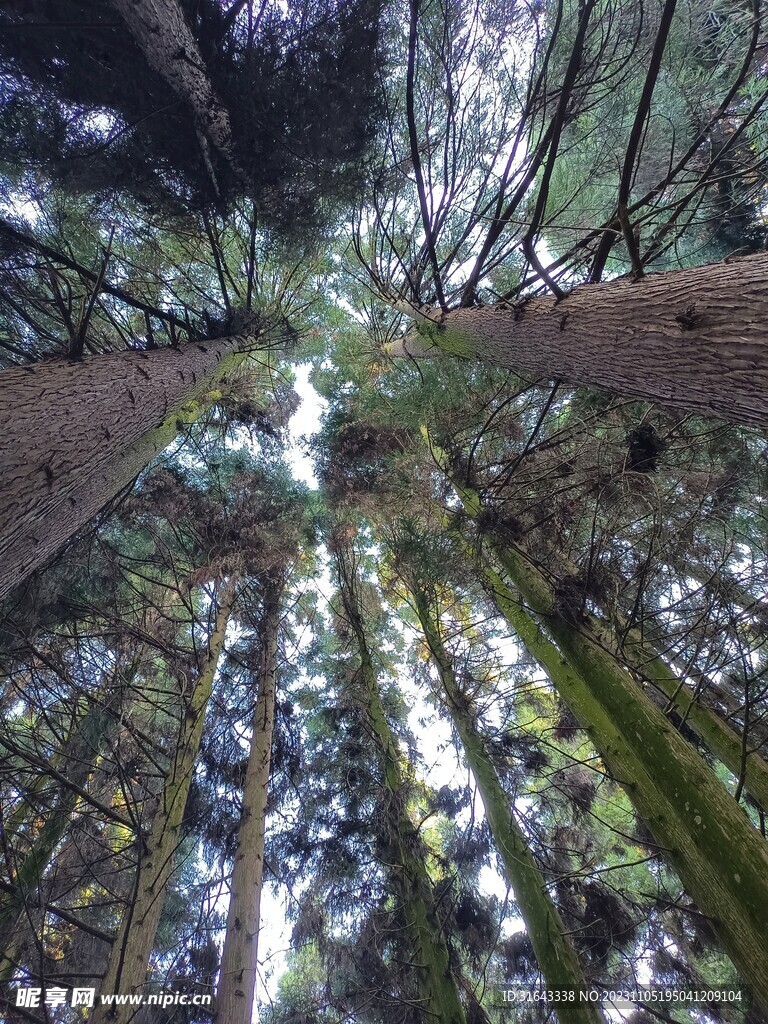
x=478, y=707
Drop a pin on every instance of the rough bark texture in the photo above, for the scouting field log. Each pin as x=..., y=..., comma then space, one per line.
x=720, y=857
x=129, y=960
x=556, y=955
x=74, y=434
x=165, y=39
x=693, y=339
x=237, y=980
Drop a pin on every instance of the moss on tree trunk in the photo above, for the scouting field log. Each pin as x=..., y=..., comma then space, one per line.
x=720, y=857
x=129, y=959
x=555, y=953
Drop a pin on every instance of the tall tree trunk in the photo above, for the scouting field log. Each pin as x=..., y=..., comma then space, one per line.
x=555, y=953
x=166, y=40
x=129, y=960
x=237, y=980
x=639, y=655
x=76, y=433
x=693, y=339
x=720, y=857
x=437, y=984
x=76, y=764
x=720, y=738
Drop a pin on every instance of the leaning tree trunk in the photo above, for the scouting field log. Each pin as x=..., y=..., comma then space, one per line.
x=552, y=945
x=720, y=857
x=437, y=984
x=693, y=339
x=89, y=733
x=237, y=980
x=129, y=960
x=638, y=654
x=699, y=847
x=164, y=37
x=75, y=433
x=741, y=758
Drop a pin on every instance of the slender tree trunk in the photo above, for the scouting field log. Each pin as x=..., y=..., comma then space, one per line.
x=93, y=726
x=438, y=988
x=720, y=738
x=237, y=980
x=720, y=857
x=556, y=955
x=693, y=339
x=129, y=960
x=75, y=433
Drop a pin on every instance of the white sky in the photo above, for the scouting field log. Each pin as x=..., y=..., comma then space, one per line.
x=304, y=422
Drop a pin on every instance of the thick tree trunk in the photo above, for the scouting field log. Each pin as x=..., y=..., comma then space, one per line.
x=555, y=953
x=437, y=984
x=720, y=857
x=237, y=980
x=693, y=339
x=133, y=945
x=698, y=846
x=165, y=39
x=72, y=435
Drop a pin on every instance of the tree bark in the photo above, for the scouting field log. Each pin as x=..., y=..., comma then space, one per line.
x=239, y=961
x=720, y=857
x=74, y=434
x=555, y=953
x=693, y=339
x=133, y=945
x=165, y=39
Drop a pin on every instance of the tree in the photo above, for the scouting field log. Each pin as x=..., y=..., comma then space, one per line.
x=437, y=986
x=551, y=943
x=454, y=236
x=236, y=991
x=128, y=962
x=688, y=339
x=680, y=806
x=239, y=960
x=89, y=440
x=244, y=113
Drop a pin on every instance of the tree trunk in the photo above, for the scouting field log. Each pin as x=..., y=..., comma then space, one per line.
x=237, y=980
x=129, y=960
x=75, y=433
x=555, y=953
x=720, y=738
x=720, y=857
x=693, y=339
x=437, y=985
x=170, y=49
x=699, y=847
x=86, y=738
